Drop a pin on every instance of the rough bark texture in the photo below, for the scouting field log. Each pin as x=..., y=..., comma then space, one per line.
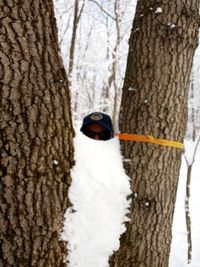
x=35, y=136
x=154, y=102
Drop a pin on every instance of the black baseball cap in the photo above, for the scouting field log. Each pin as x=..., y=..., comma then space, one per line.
x=98, y=118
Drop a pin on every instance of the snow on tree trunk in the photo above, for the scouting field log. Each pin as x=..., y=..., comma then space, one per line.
x=154, y=102
x=36, y=136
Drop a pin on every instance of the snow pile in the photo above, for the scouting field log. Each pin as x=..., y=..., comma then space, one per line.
x=98, y=194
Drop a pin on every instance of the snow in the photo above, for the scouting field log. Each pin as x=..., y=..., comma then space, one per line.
x=98, y=194
x=132, y=89
x=178, y=257
x=190, y=148
x=172, y=25
x=55, y=162
x=158, y=10
x=136, y=30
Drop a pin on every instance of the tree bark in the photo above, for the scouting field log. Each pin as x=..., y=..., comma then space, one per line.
x=154, y=102
x=36, y=136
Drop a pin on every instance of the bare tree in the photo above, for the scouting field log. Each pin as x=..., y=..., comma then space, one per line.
x=77, y=16
x=111, y=91
x=154, y=102
x=193, y=138
x=36, y=136
x=187, y=200
x=82, y=27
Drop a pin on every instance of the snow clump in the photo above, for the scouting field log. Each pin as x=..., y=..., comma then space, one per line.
x=98, y=193
x=158, y=10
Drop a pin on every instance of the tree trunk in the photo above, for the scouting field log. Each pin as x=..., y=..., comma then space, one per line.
x=154, y=102
x=76, y=20
x=36, y=136
x=73, y=40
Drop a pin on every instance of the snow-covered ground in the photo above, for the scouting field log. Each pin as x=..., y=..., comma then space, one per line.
x=178, y=256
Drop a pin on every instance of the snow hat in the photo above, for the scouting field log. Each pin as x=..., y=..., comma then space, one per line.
x=98, y=118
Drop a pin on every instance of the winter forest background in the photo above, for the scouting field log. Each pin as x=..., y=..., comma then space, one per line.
x=93, y=36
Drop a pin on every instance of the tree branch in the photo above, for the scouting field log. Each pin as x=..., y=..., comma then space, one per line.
x=100, y=6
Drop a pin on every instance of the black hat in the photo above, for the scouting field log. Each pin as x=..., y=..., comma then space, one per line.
x=98, y=118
